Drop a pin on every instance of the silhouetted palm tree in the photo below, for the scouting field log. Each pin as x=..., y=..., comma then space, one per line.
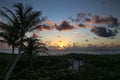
x=9, y=35
x=28, y=19
x=25, y=19
x=32, y=47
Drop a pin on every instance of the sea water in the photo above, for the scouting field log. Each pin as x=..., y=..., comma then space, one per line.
x=78, y=51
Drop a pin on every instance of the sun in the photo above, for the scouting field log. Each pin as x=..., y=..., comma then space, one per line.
x=61, y=45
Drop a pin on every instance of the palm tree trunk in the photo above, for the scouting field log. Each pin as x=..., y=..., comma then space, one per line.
x=13, y=48
x=10, y=62
x=31, y=66
x=20, y=48
x=11, y=68
x=15, y=61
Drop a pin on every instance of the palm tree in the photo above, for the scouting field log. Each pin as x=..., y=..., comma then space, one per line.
x=9, y=35
x=9, y=30
x=32, y=47
x=25, y=20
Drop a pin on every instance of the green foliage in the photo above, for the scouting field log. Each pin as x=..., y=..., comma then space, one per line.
x=95, y=67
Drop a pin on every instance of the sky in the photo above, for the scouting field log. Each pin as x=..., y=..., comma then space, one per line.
x=81, y=23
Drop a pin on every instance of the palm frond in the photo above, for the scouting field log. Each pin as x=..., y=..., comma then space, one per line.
x=33, y=19
x=36, y=27
x=28, y=9
x=19, y=8
x=6, y=15
x=3, y=26
x=32, y=47
x=13, y=15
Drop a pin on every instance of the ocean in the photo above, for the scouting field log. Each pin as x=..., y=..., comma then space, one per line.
x=78, y=51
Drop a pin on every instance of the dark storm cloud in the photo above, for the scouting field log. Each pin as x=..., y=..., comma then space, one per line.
x=103, y=32
x=64, y=25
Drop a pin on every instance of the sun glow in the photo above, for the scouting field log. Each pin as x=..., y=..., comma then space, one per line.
x=59, y=42
x=62, y=44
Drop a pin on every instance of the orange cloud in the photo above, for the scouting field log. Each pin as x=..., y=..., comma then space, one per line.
x=50, y=23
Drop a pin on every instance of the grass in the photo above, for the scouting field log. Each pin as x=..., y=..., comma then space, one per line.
x=96, y=67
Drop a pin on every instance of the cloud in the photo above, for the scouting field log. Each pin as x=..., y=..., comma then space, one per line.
x=43, y=27
x=47, y=25
x=103, y=32
x=50, y=23
x=78, y=18
x=64, y=25
x=36, y=35
x=87, y=19
x=90, y=19
x=80, y=25
x=110, y=20
x=109, y=24
x=81, y=15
